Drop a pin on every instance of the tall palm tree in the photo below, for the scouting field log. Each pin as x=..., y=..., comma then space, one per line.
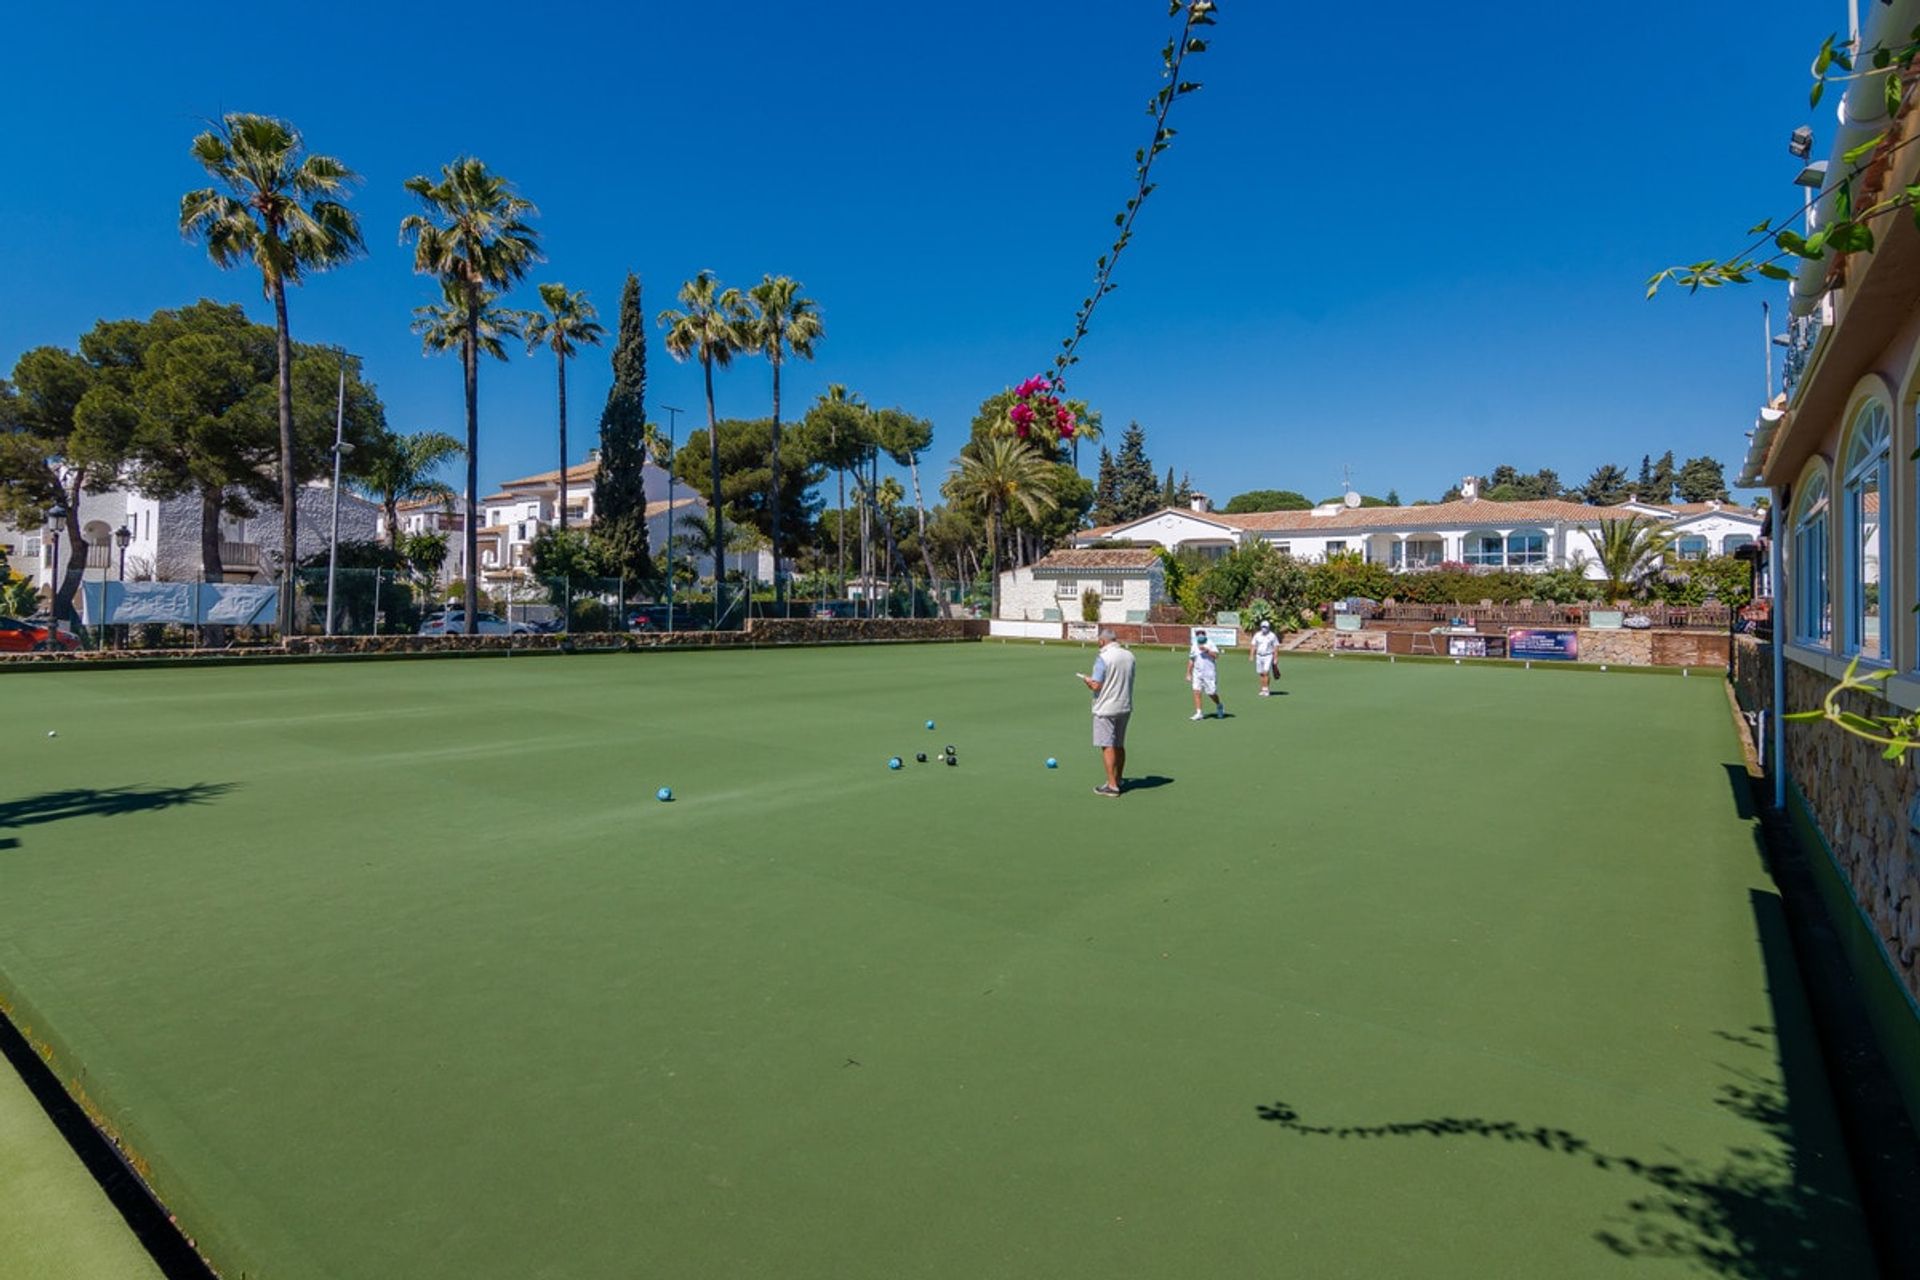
x=567, y=324
x=474, y=237
x=783, y=322
x=846, y=422
x=277, y=207
x=400, y=469
x=1627, y=549
x=711, y=330
x=994, y=474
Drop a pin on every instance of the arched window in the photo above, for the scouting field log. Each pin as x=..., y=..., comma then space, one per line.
x=1734, y=541
x=1690, y=547
x=1526, y=547
x=1812, y=620
x=1485, y=550
x=1863, y=480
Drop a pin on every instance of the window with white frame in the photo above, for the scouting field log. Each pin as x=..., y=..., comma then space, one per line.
x=1486, y=549
x=1863, y=479
x=1812, y=618
x=1112, y=588
x=1691, y=547
x=1066, y=589
x=32, y=551
x=1526, y=547
x=1734, y=541
x=1284, y=548
x=1337, y=547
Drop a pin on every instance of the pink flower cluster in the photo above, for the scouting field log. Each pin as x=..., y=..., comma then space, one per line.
x=1034, y=401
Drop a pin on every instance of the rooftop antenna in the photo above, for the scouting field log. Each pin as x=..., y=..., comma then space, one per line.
x=1351, y=499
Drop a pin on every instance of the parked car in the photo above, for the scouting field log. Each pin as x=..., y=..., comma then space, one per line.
x=650, y=617
x=453, y=622
x=17, y=636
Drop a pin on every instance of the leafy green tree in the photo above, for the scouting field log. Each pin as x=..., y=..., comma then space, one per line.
x=1393, y=497
x=277, y=206
x=994, y=475
x=558, y=555
x=474, y=238
x=1701, y=480
x=1628, y=550
x=905, y=438
x=568, y=323
x=712, y=330
x=397, y=469
x=1266, y=500
x=744, y=450
x=783, y=322
x=841, y=427
x=620, y=487
x=425, y=554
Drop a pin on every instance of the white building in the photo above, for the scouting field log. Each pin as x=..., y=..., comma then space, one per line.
x=512, y=518
x=1130, y=582
x=1471, y=531
x=163, y=537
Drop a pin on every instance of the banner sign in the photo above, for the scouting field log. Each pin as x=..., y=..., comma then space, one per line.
x=1087, y=631
x=185, y=604
x=1466, y=646
x=1553, y=646
x=1217, y=636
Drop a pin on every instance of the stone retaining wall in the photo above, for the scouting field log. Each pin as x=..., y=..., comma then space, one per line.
x=1752, y=673
x=1861, y=803
x=1616, y=648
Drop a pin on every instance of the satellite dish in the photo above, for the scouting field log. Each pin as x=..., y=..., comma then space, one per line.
x=1352, y=499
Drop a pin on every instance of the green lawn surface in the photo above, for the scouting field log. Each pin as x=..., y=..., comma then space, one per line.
x=399, y=969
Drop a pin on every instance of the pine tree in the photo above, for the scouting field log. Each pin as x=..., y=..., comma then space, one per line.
x=620, y=490
x=1183, y=496
x=1644, y=486
x=1137, y=490
x=1661, y=480
x=1393, y=497
x=1106, y=491
x=1702, y=480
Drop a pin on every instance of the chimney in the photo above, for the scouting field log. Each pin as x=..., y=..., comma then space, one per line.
x=1470, y=488
x=1199, y=502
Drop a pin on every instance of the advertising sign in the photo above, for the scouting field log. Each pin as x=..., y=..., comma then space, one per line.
x=1466, y=646
x=1220, y=637
x=1553, y=646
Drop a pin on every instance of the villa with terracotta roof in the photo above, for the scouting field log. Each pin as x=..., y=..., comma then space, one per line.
x=1472, y=530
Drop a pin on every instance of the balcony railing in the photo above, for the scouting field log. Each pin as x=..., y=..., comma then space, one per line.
x=239, y=555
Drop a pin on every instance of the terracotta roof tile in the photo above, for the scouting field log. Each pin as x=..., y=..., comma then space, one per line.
x=1116, y=558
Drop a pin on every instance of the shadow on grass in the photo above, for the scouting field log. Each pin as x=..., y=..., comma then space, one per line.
x=1742, y=785
x=1779, y=1207
x=1147, y=783
x=94, y=802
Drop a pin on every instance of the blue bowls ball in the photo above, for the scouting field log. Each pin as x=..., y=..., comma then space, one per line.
x=664, y=793
x=1052, y=763
x=894, y=763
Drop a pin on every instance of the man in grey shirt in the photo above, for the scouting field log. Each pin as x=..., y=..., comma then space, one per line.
x=1112, y=683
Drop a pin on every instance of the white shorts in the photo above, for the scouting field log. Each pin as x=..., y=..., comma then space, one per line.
x=1205, y=682
x=1263, y=664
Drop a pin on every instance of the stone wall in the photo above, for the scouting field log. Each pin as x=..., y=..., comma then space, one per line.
x=1752, y=673
x=1625, y=648
x=1687, y=648
x=1862, y=804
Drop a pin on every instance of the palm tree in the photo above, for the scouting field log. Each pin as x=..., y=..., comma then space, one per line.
x=1627, y=549
x=274, y=206
x=783, y=321
x=846, y=422
x=400, y=469
x=474, y=237
x=567, y=324
x=994, y=474
x=711, y=330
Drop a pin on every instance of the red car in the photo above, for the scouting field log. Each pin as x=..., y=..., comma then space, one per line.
x=30, y=637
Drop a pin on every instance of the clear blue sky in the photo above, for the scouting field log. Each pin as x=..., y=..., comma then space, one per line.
x=1407, y=237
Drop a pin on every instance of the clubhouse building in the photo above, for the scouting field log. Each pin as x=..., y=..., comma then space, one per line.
x=1474, y=531
x=1836, y=448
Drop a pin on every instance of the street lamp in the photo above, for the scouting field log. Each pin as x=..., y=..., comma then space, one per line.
x=122, y=536
x=340, y=450
x=673, y=421
x=56, y=515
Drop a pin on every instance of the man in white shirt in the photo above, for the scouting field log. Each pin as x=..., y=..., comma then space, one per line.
x=1112, y=683
x=1266, y=656
x=1204, y=675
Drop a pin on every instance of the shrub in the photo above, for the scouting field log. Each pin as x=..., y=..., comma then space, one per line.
x=1089, y=605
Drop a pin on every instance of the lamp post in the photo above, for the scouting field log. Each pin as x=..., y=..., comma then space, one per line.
x=121, y=537
x=56, y=515
x=673, y=421
x=340, y=450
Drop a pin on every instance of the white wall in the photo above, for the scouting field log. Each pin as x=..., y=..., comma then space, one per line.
x=1025, y=596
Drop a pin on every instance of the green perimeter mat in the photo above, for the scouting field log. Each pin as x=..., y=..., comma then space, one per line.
x=399, y=969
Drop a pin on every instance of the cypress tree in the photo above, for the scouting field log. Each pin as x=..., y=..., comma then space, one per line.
x=619, y=490
x=1136, y=488
x=1106, y=491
